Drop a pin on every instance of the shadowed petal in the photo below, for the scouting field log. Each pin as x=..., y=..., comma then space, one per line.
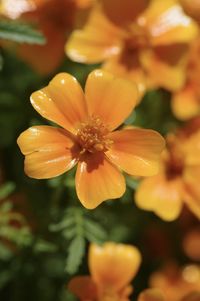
x=136, y=151
x=98, y=180
x=124, y=13
x=192, y=189
x=109, y=97
x=83, y=287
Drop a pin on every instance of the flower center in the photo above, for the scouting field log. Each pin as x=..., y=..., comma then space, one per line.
x=92, y=135
x=138, y=37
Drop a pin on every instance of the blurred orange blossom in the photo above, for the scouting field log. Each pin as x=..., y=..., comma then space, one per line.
x=145, y=41
x=88, y=138
x=112, y=267
x=178, y=283
x=178, y=180
x=54, y=18
x=186, y=101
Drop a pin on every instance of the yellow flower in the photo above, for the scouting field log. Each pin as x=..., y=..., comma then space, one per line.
x=177, y=181
x=145, y=41
x=178, y=284
x=112, y=267
x=88, y=138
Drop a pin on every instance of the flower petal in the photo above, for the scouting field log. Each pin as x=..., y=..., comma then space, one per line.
x=167, y=23
x=151, y=295
x=165, y=66
x=62, y=102
x=136, y=151
x=192, y=189
x=109, y=97
x=192, y=296
x=83, y=287
x=186, y=103
x=45, y=58
x=98, y=180
x=49, y=151
x=98, y=40
x=113, y=265
x=161, y=196
x=127, y=65
x=124, y=13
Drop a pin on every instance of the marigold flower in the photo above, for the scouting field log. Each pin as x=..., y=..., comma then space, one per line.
x=176, y=283
x=177, y=181
x=112, y=267
x=145, y=41
x=186, y=101
x=88, y=138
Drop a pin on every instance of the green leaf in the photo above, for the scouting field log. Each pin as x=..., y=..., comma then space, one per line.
x=20, y=32
x=76, y=252
x=65, y=223
x=6, y=189
x=94, y=232
x=44, y=246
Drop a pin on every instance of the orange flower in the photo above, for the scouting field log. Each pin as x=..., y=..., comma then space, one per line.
x=112, y=267
x=87, y=137
x=186, y=102
x=145, y=43
x=177, y=283
x=177, y=181
x=52, y=17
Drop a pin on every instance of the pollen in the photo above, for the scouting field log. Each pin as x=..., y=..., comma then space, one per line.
x=93, y=135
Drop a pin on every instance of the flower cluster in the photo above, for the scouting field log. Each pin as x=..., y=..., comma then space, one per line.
x=118, y=86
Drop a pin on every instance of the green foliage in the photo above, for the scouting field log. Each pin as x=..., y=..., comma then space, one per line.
x=76, y=227
x=20, y=32
x=6, y=189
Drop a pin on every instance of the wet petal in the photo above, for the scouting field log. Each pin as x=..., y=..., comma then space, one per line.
x=98, y=180
x=109, y=97
x=186, y=103
x=161, y=196
x=136, y=151
x=62, y=102
x=49, y=151
x=151, y=295
x=98, y=40
x=83, y=287
x=113, y=265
